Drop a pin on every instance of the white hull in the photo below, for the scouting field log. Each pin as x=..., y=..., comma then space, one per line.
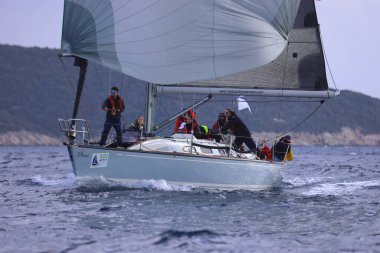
x=177, y=168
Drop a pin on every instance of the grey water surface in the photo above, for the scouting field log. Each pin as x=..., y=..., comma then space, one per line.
x=329, y=201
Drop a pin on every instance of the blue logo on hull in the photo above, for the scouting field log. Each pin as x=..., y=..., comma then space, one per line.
x=95, y=161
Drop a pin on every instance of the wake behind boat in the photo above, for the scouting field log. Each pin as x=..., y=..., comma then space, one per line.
x=250, y=48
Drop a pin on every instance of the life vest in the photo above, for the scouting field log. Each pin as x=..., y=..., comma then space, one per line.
x=181, y=119
x=267, y=152
x=113, y=102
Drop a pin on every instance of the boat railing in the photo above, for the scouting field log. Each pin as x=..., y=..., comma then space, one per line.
x=76, y=130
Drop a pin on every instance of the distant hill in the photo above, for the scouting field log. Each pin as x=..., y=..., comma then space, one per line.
x=35, y=92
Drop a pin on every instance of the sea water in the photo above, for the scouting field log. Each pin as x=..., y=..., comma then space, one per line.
x=329, y=201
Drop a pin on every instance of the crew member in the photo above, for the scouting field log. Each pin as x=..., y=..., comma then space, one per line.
x=282, y=148
x=114, y=106
x=241, y=132
x=181, y=119
x=218, y=125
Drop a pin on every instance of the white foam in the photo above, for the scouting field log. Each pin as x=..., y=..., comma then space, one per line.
x=340, y=188
x=68, y=181
x=300, y=182
x=160, y=185
x=101, y=183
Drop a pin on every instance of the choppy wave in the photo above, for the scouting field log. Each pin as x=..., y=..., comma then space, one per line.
x=341, y=188
x=175, y=235
x=323, y=191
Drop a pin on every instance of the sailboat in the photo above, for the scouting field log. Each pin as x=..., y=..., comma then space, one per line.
x=211, y=47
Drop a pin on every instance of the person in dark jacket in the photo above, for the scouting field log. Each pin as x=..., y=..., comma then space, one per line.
x=218, y=125
x=137, y=125
x=282, y=148
x=241, y=132
x=114, y=106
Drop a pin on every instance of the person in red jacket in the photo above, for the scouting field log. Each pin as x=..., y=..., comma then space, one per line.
x=114, y=106
x=181, y=119
x=189, y=126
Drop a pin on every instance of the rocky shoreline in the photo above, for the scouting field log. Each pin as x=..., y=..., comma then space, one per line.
x=346, y=137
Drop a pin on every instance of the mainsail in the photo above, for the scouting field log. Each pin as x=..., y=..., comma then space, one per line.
x=237, y=44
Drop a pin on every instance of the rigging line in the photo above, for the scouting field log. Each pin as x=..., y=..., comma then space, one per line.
x=291, y=129
x=158, y=97
x=281, y=97
x=121, y=92
x=67, y=74
x=109, y=81
x=213, y=40
x=192, y=124
x=167, y=115
x=70, y=82
x=100, y=79
x=122, y=84
x=325, y=56
x=180, y=98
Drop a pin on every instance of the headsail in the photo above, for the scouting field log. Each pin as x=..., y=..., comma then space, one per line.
x=178, y=41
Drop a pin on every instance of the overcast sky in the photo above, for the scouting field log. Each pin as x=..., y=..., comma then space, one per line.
x=350, y=32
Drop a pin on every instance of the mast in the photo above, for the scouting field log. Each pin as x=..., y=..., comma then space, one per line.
x=150, y=107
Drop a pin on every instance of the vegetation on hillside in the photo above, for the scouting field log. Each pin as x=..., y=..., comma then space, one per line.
x=36, y=91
